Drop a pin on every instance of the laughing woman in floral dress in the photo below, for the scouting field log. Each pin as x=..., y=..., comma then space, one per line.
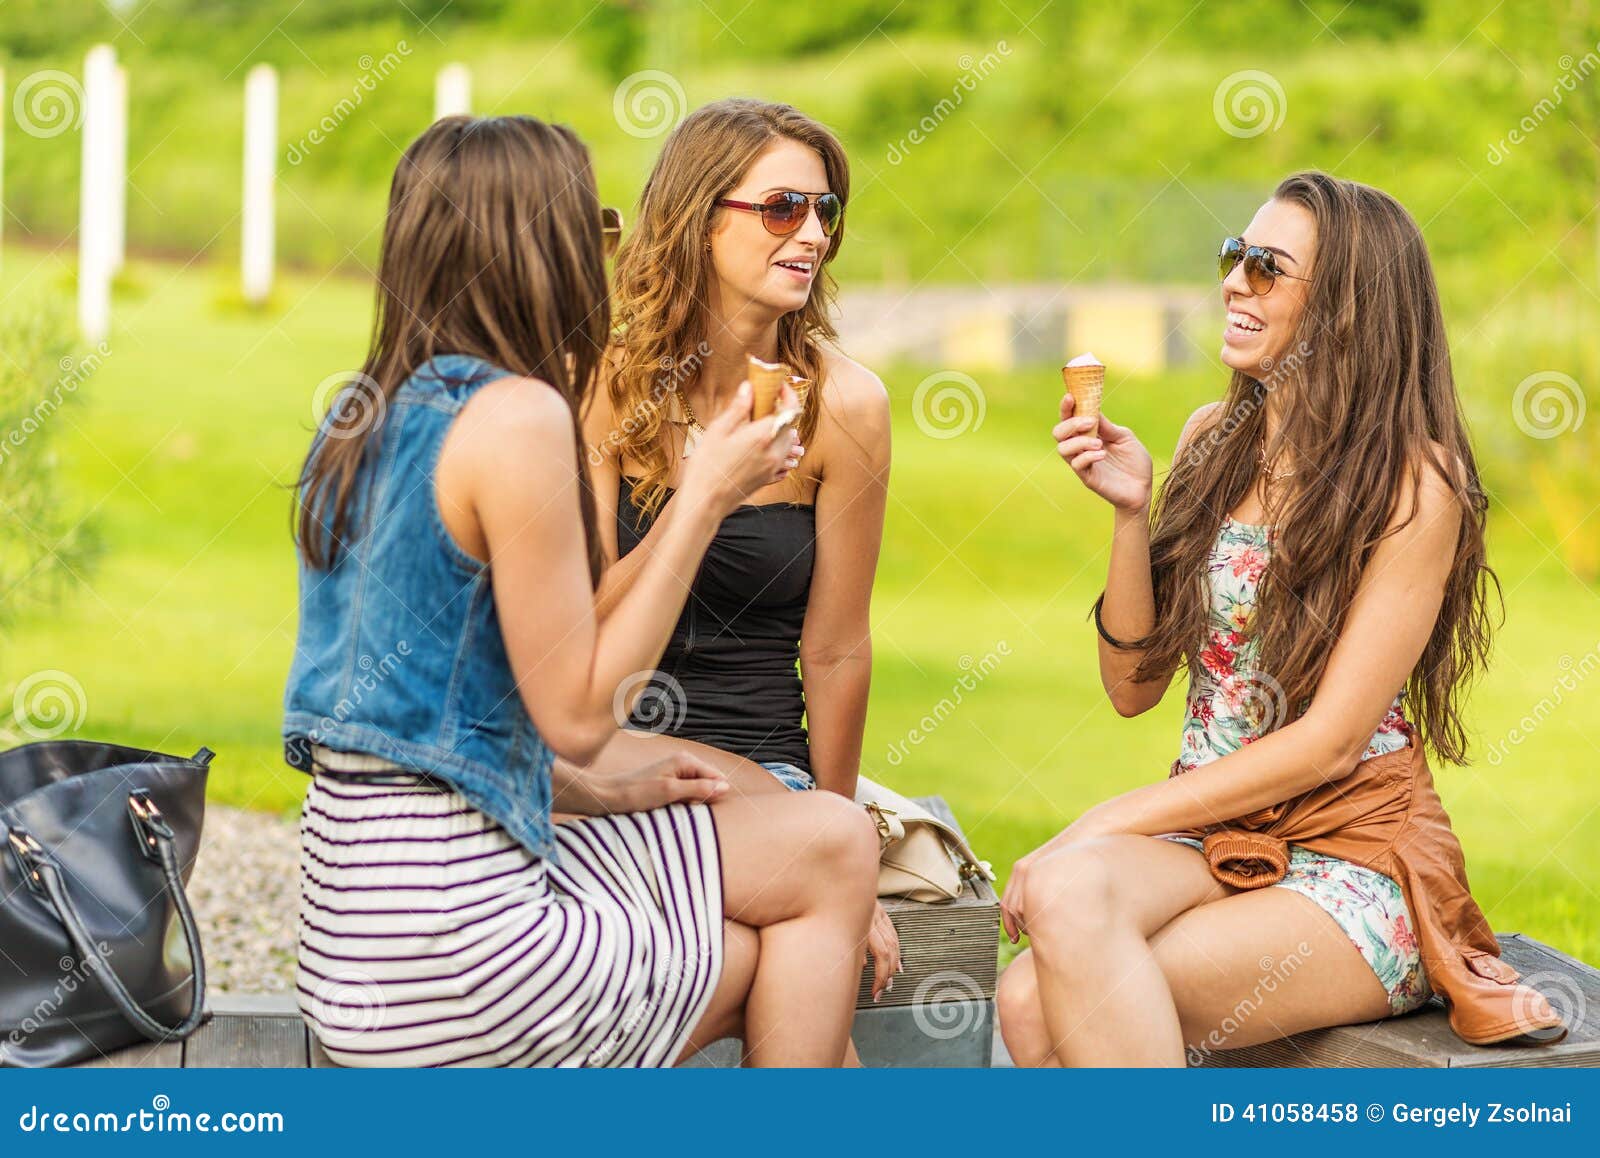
x=1316, y=562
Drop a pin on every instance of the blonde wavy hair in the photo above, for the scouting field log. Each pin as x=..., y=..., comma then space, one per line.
x=663, y=273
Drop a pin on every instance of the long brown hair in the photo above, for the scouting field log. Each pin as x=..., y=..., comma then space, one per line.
x=1367, y=391
x=491, y=247
x=664, y=272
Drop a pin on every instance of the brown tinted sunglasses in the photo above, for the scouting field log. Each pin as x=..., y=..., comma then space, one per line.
x=610, y=229
x=785, y=213
x=1261, y=270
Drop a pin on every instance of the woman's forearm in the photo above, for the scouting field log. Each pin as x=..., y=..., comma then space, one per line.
x=1278, y=767
x=836, y=717
x=635, y=633
x=1129, y=608
x=619, y=576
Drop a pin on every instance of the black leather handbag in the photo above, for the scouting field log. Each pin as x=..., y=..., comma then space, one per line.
x=98, y=946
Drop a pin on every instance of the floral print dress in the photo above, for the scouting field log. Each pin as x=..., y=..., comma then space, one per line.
x=1231, y=703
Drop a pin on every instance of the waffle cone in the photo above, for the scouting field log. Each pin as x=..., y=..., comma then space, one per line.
x=1085, y=384
x=766, y=379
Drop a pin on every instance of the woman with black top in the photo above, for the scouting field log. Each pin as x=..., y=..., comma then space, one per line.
x=737, y=224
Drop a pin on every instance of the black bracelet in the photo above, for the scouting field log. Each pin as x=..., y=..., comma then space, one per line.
x=1100, y=626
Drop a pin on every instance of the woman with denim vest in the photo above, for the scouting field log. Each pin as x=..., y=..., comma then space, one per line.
x=1316, y=562
x=454, y=911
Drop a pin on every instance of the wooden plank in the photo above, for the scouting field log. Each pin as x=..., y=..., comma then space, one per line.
x=245, y=1041
x=956, y=1035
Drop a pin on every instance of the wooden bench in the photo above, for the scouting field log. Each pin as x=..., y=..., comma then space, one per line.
x=940, y=1012
x=1424, y=1039
x=267, y=1031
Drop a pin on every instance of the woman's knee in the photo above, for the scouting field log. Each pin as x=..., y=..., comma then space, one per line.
x=843, y=836
x=1071, y=899
x=1017, y=997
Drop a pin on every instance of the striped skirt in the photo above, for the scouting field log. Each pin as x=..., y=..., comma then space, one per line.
x=428, y=937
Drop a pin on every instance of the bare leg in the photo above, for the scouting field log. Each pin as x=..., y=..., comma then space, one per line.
x=724, y=1016
x=1090, y=910
x=799, y=869
x=1261, y=966
x=1022, y=1017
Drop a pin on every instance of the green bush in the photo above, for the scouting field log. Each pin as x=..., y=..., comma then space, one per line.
x=48, y=541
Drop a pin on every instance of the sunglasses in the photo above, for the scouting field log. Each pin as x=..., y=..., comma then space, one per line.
x=610, y=229
x=1260, y=265
x=785, y=213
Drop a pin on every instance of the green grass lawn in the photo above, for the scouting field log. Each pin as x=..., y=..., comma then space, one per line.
x=182, y=635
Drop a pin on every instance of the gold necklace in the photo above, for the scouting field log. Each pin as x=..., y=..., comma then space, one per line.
x=1272, y=475
x=691, y=437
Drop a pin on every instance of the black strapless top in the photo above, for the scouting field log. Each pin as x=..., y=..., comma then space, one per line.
x=735, y=650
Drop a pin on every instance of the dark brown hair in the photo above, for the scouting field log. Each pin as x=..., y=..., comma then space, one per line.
x=664, y=271
x=492, y=248
x=1367, y=392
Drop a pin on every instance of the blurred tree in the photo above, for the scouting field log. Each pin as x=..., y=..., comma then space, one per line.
x=47, y=541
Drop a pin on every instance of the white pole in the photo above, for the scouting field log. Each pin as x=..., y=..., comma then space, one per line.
x=118, y=152
x=260, y=173
x=452, y=91
x=94, y=216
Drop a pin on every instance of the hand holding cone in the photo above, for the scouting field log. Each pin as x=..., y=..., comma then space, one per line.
x=1085, y=379
x=766, y=379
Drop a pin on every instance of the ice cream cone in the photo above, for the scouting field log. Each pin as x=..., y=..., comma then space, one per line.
x=799, y=385
x=766, y=379
x=1085, y=380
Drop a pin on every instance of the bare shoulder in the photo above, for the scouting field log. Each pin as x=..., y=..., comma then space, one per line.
x=853, y=395
x=1433, y=494
x=508, y=418
x=1198, y=421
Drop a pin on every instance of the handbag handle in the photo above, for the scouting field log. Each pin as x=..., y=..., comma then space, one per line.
x=43, y=876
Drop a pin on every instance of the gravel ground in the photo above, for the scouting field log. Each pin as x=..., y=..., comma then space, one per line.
x=245, y=889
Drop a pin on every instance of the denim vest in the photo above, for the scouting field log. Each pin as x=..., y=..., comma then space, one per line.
x=399, y=652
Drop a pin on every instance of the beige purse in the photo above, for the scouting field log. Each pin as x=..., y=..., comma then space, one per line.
x=921, y=858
